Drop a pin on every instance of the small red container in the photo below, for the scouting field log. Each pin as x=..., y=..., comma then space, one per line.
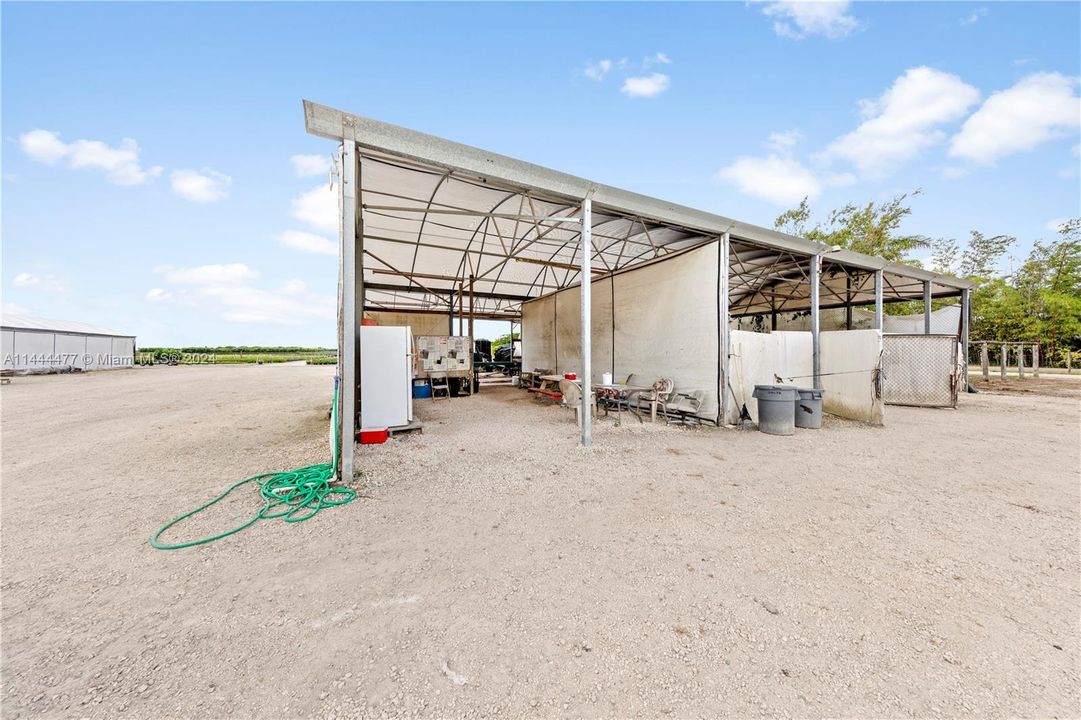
x=570, y=376
x=373, y=436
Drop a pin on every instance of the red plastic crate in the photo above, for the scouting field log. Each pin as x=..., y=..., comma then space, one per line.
x=373, y=436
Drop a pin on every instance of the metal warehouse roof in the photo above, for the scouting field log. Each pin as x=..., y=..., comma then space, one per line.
x=11, y=321
x=435, y=212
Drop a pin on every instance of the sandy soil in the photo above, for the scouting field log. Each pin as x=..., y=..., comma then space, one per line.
x=926, y=569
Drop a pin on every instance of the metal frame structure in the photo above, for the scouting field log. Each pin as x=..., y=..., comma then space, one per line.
x=426, y=222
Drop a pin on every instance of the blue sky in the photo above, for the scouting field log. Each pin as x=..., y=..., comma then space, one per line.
x=148, y=175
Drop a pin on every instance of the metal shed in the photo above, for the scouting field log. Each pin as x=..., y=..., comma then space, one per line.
x=32, y=344
x=427, y=223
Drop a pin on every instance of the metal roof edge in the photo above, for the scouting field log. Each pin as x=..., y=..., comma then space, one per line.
x=333, y=124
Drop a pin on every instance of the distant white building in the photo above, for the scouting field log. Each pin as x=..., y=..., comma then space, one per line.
x=41, y=345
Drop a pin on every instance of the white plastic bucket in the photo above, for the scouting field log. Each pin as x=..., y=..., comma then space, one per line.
x=606, y=378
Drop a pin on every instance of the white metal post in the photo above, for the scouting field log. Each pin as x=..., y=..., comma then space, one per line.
x=723, y=312
x=926, y=307
x=351, y=290
x=816, y=339
x=966, y=310
x=878, y=299
x=586, y=243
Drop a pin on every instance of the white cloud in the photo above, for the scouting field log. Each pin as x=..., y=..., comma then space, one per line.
x=783, y=142
x=231, y=297
x=1038, y=108
x=952, y=172
x=43, y=146
x=47, y=283
x=974, y=17
x=10, y=308
x=233, y=273
x=120, y=164
x=904, y=120
x=318, y=208
x=310, y=165
x=657, y=58
x=307, y=242
x=799, y=18
x=597, y=71
x=1056, y=224
x=776, y=179
x=646, y=86
x=294, y=287
x=202, y=186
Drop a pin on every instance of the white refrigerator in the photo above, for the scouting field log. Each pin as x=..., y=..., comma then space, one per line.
x=386, y=376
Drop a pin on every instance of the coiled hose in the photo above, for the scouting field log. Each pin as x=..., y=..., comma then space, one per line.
x=295, y=495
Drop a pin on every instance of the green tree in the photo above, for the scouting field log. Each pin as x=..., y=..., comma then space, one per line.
x=503, y=340
x=1048, y=287
x=872, y=229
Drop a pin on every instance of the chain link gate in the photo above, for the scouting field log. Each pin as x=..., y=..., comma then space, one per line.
x=921, y=370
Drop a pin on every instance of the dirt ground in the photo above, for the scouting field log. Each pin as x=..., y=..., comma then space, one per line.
x=929, y=568
x=1055, y=385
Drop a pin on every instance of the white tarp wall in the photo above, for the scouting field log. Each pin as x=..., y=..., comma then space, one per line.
x=660, y=320
x=849, y=363
x=538, y=334
x=944, y=321
x=422, y=323
x=779, y=358
x=657, y=320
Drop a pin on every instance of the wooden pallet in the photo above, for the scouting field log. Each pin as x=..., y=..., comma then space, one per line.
x=416, y=426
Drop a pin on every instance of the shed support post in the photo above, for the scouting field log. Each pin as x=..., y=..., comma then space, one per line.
x=816, y=342
x=966, y=310
x=586, y=248
x=724, y=253
x=461, y=308
x=878, y=300
x=1003, y=361
x=848, y=301
x=927, y=307
x=471, y=311
x=352, y=299
x=1036, y=360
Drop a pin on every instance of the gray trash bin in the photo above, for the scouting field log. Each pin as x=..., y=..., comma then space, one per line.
x=776, y=415
x=809, y=408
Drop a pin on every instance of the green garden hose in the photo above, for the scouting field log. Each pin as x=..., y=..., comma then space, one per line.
x=296, y=495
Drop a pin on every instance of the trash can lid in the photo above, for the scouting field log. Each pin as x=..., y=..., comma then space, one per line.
x=810, y=393
x=775, y=392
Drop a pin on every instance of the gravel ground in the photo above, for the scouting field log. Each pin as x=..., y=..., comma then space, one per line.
x=492, y=568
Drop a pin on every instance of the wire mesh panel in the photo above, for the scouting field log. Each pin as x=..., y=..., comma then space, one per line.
x=921, y=370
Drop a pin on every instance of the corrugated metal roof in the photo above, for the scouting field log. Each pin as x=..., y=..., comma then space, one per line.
x=27, y=322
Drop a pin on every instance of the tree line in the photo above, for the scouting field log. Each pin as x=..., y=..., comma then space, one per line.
x=1040, y=301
